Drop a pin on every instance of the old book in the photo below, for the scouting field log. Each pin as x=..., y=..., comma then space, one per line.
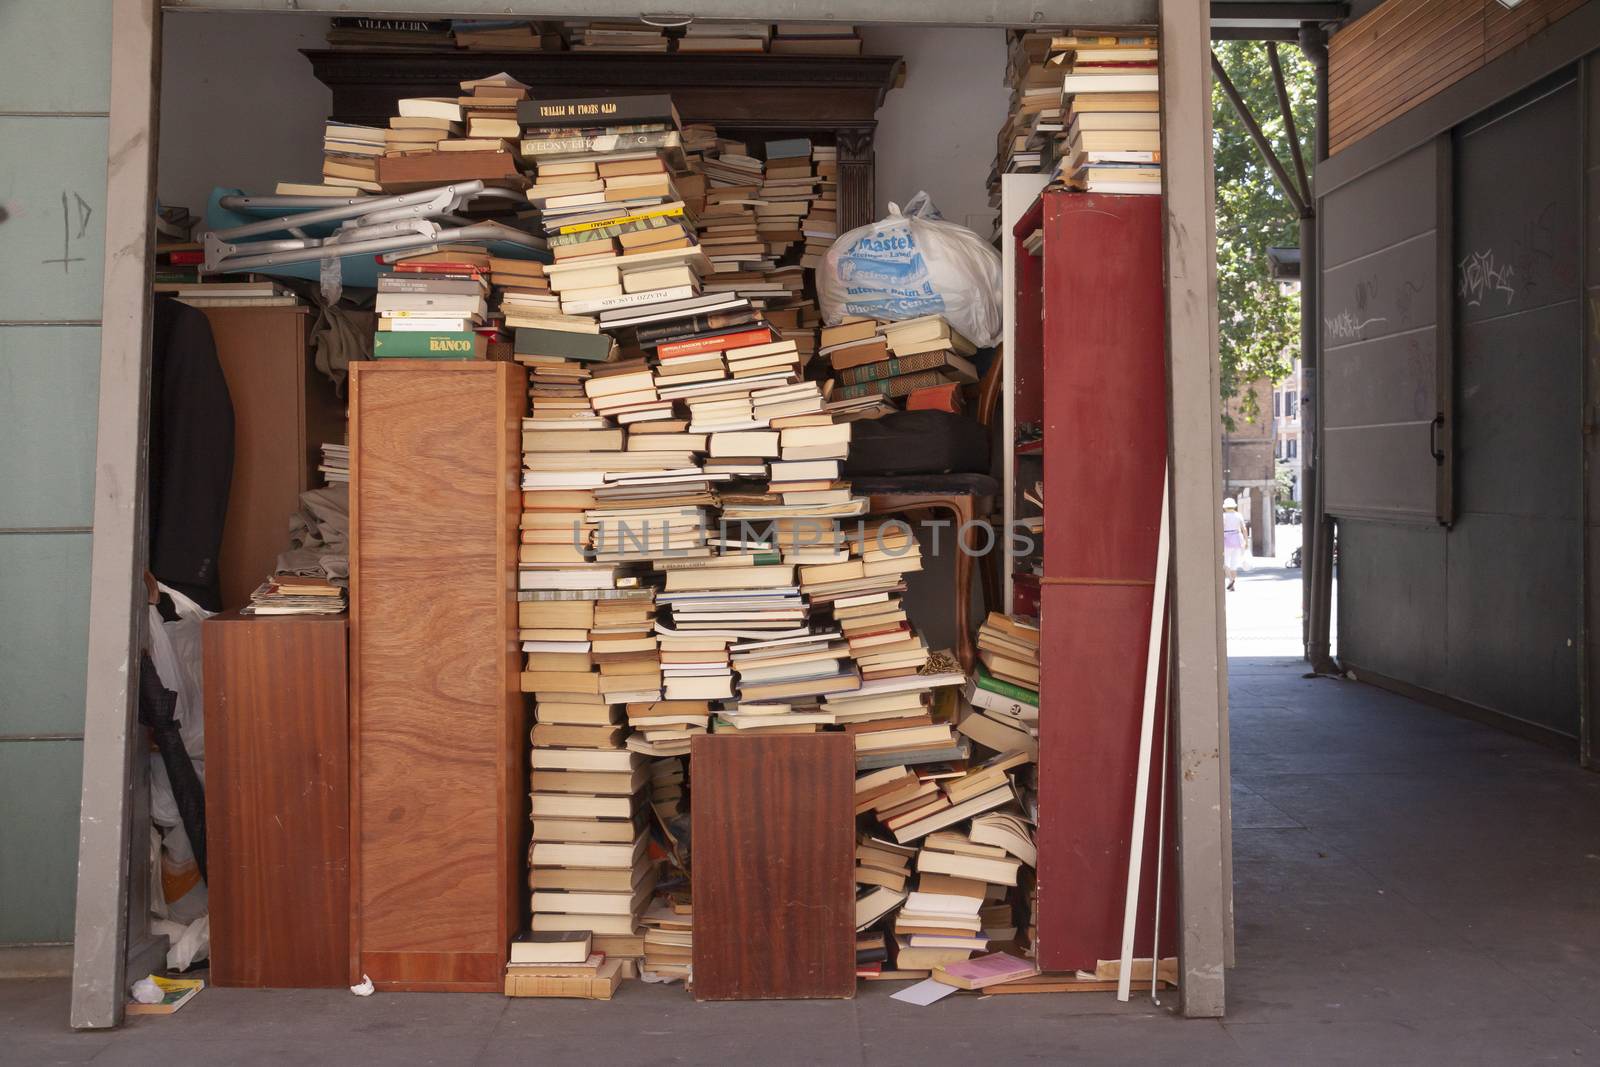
x=598, y=111
x=562, y=946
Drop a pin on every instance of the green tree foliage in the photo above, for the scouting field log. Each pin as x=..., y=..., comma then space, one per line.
x=1258, y=324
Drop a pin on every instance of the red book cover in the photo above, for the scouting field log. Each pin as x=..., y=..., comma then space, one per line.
x=695, y=346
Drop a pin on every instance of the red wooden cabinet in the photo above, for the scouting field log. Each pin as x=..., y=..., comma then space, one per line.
x=1093, y=373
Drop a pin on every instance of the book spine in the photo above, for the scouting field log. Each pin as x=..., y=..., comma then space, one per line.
x=655, y=107
x=601, y=142
x=700, y=345
x=889, y=368
x=651, y=333
x=985, y=680
x=889, y=387
x=585, y=227
x=606, y=230
x=979, y=697
x=407, y=345
x=531, y=341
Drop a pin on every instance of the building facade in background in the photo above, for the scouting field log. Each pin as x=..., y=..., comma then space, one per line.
x=1250, y=464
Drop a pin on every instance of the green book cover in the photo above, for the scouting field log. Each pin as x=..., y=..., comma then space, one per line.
x=586, y=347
x=1006, y=689
x=409, y=344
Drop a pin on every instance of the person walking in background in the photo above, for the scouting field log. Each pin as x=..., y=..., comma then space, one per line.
x=1235, y=540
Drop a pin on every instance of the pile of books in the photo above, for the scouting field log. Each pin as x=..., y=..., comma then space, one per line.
x=437, y=140
x=335, y=466
x=1026, y=140
x=815, y=39
x=261, y=292
x=1110, y=108
x=1004, y=694
x=293, y=594
x=936, y=883
x=616, y=35
x=589, y=868
x=504, y=35
x=892, y=360
x=562, y=963
x=350, y=156
x=724, y=37
x=1084, y=109
x=434, y=305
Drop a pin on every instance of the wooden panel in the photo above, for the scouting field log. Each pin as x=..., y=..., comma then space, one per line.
x=1104, y=382
x=1405, y=51
x=1092, y=686
x=282, y=408
x=1104, y=376
x=277, y=800
x=774, y=847
x=437, y=719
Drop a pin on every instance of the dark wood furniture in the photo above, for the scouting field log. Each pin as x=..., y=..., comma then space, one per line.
x=966, y=501
x=277, y=800
x=1093, y=369
x=283, y=411
x=774, y=863
x=836, y=97
x=438, y=729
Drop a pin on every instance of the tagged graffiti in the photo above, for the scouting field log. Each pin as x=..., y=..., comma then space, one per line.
x=1481, y=277
x=1346, y=326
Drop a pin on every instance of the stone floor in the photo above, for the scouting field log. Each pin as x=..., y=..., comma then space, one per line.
x=1410, y=888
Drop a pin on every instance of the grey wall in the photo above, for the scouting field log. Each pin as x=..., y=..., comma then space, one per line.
x=937, y=133
x=54, y=88
x=1488, y=611
x=240, y=108
x=239, y=105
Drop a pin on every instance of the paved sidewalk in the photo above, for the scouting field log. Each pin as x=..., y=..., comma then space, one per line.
x=1410, y=888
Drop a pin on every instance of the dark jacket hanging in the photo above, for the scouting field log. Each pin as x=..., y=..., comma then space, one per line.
x=191, y=453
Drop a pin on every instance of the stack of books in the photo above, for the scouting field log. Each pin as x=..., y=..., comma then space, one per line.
x=669, y=939
x=1007, y=682
x=293, y=594
x=1025, y=143
x=437, y=140
x=896, y=359
x=715, y=37
x=503, y=35
x=955, y=839
x=350, y=156
x=560, y=963
x=1005, y=692
x=606, y=195
x=335, y=466
x=589, y=866
x=621, y=35
x=1110, y=107
x=820, y=228
x=262, y=292
x=434, y=306
x=815, y=39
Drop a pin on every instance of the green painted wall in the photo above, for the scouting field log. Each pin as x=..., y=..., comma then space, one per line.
x=54, y=78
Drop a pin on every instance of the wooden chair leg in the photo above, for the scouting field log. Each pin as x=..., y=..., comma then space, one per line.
x=962, y=513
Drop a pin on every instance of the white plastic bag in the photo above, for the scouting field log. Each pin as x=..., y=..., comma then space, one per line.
x=910, y=264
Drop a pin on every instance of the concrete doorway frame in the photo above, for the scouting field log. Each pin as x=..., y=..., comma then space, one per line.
x=1200, y=755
